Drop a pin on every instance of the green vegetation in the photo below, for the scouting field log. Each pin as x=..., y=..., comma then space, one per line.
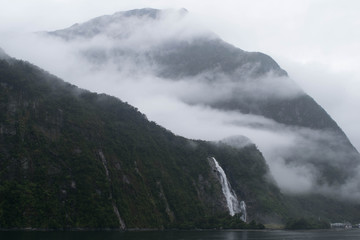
x=306, y=223
x=69, y=157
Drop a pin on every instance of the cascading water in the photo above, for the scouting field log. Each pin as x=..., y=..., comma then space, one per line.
x=243, y=210
x=231, y=199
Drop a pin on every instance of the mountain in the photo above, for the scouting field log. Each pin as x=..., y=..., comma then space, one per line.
x=71, y=159
x=75, y=159
x=165, y=45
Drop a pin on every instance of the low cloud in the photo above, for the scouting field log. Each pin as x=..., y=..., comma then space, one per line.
x=116, y=62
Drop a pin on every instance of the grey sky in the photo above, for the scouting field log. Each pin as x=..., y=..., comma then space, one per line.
x=316, y=41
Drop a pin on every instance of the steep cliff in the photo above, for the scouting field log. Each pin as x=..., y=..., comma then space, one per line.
x=70, y=158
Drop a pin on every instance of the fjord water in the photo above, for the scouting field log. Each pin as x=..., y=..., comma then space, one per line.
x=186, y=235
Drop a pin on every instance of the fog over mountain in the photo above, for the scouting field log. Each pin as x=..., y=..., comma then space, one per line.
x=185, y=78
x=315, y=41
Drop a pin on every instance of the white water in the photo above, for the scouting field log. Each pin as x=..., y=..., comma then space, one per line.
x=243, y=210
x=231, y=199
x=116, y=210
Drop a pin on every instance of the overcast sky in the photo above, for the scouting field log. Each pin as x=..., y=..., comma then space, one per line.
x=316, y=41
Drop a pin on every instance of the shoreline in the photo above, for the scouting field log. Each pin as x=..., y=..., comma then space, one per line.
x=158, y=230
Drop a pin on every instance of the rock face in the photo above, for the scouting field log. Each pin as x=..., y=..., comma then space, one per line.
x=249, y=83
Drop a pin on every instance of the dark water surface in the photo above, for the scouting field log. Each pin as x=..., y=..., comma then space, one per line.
x=185, y=235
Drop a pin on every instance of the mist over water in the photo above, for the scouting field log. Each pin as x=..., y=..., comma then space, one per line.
x=120, y=59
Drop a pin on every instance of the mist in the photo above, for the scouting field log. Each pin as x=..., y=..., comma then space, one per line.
x=116, y=61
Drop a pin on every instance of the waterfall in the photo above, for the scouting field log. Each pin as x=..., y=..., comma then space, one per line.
x=230, y=196
x=243, y=210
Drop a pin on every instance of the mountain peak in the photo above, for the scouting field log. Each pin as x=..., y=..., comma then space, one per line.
x=122, y=19
x=147, y=12
x=150, y=12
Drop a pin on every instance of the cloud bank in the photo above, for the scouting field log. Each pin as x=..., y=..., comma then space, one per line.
x=117, y=62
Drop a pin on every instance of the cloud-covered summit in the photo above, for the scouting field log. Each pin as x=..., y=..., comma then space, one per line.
x=168, y=37
x=118, y=25
x=187, y=79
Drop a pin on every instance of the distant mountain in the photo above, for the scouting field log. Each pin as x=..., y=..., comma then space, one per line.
x=253, y=83
x=177, y=58
x=101, y=24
